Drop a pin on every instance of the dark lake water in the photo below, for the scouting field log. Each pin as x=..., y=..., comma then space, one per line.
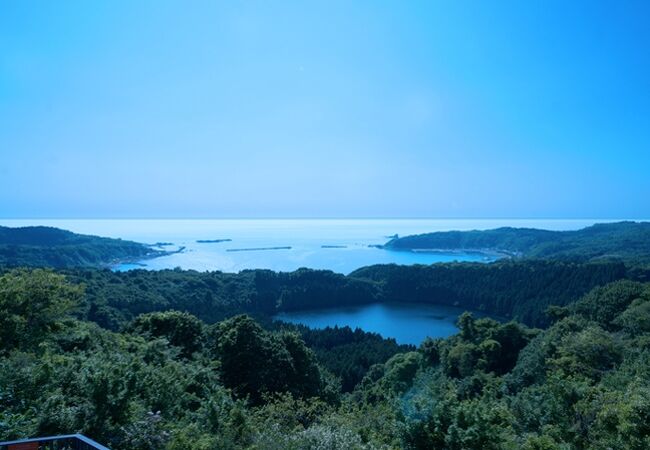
x=407, y=323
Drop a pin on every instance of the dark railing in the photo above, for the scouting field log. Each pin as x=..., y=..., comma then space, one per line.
x=66, y=442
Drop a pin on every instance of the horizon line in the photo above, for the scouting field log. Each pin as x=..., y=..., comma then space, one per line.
x=326, y=218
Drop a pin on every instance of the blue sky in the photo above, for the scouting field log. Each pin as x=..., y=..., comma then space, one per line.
x=529, y=109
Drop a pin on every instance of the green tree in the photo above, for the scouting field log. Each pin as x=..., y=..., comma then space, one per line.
x=589, y=352
x=635, y=320
x=255, y=362
x=181, y=329
x=32, y=305
x=604, y=304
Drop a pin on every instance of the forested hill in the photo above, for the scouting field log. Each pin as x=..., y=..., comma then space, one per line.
x=169, y=381
x=621, y=240
x=521, y=290
x=52, y=247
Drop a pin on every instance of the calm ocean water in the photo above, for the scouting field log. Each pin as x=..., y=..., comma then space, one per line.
x=342, y=245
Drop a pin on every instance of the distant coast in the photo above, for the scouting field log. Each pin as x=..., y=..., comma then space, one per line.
x=137, y=260
x=486, y=252
x=622, y=241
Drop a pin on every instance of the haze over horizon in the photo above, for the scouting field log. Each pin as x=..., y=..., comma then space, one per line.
x=332, y=109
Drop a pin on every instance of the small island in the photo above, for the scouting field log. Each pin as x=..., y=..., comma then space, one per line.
x=254, y=249
x=212, y=241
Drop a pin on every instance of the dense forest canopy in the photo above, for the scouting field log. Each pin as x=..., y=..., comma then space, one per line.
x=511, y=289
x=621, y=240
x=52, y=247
x=175, y=359
x=169, y=381
x=518, y=289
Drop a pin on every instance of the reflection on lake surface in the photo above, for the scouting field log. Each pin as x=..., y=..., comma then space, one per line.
x=406, y=323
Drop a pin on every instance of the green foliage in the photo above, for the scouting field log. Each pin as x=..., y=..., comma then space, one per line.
x=461, y=359
x=518, y=289
x=115, y=298
x=180, y=329
x=145, y=434
x=515, y=240
x=346, y=353
x=483, y=344
x=32, y=304
x=604, y=304
x=447, y=421
x=52, y=247
x=168, y=381
x=255, y=362
x=522, y=290
x=635, y=320
x=589, y=352
x=322, y=288
x=430, y=349
x=622, y=240
x=400, y=370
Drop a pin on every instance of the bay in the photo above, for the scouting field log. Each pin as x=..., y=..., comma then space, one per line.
x=341, y=245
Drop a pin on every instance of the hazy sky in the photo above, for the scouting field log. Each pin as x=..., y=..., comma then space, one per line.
x=325, y=109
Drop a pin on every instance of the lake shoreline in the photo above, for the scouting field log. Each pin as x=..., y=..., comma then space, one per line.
x=405, y=322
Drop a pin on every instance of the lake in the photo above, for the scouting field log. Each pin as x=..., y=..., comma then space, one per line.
x=341, y=245
x=406, y=323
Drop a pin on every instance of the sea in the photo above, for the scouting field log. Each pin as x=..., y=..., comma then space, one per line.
x=340, y=245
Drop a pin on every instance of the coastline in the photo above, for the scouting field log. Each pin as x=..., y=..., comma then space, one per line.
x=137, y=260
x=485, y=252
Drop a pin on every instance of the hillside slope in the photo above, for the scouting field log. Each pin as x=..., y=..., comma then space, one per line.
x=621, y=241
x=52, y=247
